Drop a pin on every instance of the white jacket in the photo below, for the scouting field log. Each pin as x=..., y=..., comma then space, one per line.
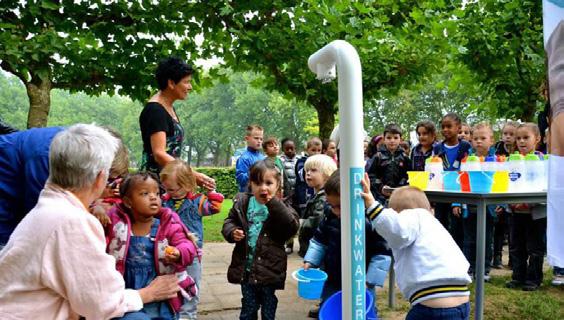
x=428, y=263
x=55, y=265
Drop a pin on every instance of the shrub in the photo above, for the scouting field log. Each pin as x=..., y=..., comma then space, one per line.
x=224, y=179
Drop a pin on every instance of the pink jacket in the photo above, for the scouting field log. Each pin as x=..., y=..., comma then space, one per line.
x=171, y=232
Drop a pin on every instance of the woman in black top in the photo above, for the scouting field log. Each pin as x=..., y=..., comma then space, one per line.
x=161, y=130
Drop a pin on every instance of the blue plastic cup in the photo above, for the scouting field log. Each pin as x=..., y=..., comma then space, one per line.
x=332, y=308
x=481, y=181
x=310, y=283
x=451, y=181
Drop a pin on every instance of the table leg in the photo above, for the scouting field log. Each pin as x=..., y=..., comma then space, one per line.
x=392, y=287
x=480, y=260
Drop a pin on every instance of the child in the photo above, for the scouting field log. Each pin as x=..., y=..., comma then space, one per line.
x=390, y=164
x=451, y=150
x=180, y=184
x=271, y=149
x=302, y=191
x=528, y=227
x=482, y=142
x=318, y=169
x=289, y=160
x=329, y=147
x=148, y=241
x=431, y=270
x=325, y=246
x=249, y=157
x=465, y=132
x=259, y=224
x=427, y=135
x=506, y=145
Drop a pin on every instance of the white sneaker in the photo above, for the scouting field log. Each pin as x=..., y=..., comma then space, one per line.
x=557, y=281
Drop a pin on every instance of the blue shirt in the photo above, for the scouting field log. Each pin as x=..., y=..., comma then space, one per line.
x=451, y=153
x=24, y=168
x=244, y=164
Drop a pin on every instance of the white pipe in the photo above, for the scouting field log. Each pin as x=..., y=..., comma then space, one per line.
x=341, y=54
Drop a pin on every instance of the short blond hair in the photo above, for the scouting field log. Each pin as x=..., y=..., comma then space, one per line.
x=251, y=128
x=323, y=163
x=408, y=198
x=483, y=125
x=183, y=173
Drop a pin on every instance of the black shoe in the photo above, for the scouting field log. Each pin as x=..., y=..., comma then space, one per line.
x=514, y=284
x=313, y=313
x=530, y=286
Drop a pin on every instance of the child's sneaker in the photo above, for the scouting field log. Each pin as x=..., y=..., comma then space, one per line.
x=289, y=250
x=557, y=280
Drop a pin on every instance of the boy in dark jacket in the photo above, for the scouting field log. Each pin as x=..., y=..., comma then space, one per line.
x=325, y=246
x=389, y=165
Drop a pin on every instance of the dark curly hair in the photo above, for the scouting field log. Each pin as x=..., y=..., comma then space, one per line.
x=172, y=68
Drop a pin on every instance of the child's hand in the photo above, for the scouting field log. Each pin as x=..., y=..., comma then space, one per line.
x=238, y=234
x=366, y=194
x=99, y=212
x=387, y=191
x=171, y=254
x=456, y=211
x=307, y=265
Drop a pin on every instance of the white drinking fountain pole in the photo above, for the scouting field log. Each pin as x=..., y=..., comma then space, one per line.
x=342, y=55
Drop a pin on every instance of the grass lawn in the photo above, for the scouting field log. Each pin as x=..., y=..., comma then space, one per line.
x=213, y=224
x=501, y=303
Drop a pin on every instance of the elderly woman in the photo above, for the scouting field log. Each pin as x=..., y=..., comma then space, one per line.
x=161, y=130
x=55, y=265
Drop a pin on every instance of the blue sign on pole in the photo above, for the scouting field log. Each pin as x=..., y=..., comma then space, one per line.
x=358, y=276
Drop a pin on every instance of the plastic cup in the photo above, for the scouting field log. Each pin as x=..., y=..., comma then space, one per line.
x=464, y=181
x=481, y=181
x=500, y=181
x=451, y=181
x=418, y=179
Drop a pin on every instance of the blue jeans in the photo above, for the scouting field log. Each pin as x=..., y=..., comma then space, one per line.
x=189, y=308
x=421, y=312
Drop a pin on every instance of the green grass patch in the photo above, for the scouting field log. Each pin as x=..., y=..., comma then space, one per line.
x=213, y=224
x=501, y=303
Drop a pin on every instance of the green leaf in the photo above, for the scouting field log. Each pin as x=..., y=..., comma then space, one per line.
x=50, y=5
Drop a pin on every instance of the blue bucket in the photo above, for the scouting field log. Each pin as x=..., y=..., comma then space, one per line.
x=481, y=181
x=332, y=309
x=310, y=283
x=451, y=181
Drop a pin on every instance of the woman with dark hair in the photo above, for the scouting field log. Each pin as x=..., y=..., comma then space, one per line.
x=161, y=130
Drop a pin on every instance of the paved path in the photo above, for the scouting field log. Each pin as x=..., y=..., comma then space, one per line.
x=222, y=300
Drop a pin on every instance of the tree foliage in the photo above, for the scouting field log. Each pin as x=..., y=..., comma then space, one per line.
x=501, y=42
x=93, y=46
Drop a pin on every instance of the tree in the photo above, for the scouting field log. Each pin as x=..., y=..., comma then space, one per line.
x=275, y=38
x=94, y=46
x=501, y=42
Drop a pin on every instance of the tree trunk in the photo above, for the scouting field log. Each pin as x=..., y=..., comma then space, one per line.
x=326, y=117
x=39, y=94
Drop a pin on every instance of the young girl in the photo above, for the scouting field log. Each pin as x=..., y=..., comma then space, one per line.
x=465, y=132
x=259, y=224
x=427, y=135
x=147, y=241
x=180, y=184
x=528, y=227
x=318, y=169
x=451, y=150
x=506, y=145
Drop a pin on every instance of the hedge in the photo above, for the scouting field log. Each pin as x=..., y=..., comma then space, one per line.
x=224, y=179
